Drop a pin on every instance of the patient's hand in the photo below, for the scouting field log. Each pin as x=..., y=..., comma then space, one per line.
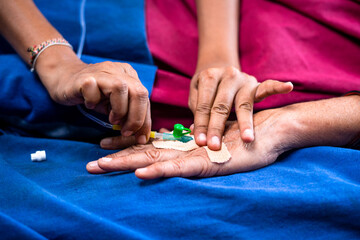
x=150, y=162
x=332, y=122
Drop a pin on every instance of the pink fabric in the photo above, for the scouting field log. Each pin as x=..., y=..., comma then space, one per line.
x=313, y=43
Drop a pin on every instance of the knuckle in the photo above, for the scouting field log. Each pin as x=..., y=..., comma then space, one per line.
x=87, y=81
x=120, y=86
x=137, y=148
x=159, y=169
x=153, y=155
x=201, y=127
x=203, y=108
x=178, y=166
x=251, y=79
x=221, y=109
x=208, y=74
x=206, y=168
x=268, y=91
x=141, y=92
x=232, y=72
x=246, y=106
x=126, y=66
x=217, y=129
x=130, y=70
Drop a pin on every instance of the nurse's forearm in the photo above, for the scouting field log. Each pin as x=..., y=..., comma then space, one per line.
x=218, y=23
x=23, y=25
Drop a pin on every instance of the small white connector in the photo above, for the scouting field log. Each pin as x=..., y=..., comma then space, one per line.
x=38, y=156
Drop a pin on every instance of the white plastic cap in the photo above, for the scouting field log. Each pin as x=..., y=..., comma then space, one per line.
x=38, y=156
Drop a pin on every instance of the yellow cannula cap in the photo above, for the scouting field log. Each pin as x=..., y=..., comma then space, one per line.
x=116, y=127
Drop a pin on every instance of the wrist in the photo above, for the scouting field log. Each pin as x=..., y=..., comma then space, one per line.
x=52, y=62
x=274, y=128
x=215, y=62
x=331, y=122
x=210, y=56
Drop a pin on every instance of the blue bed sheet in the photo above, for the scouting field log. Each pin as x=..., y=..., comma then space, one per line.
x=312, y=193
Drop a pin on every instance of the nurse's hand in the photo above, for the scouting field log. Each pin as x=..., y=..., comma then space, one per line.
x=111, y=88
x=213, y=93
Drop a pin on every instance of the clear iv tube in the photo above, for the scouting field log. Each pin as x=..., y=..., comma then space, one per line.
x=93, y=118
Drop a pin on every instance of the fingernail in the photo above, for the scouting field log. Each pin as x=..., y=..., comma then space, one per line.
x=215, y=141
x=202, y=137
x=127, y=133
x=248, y=133
x=106, y=142
x=93, y=164
x=141, y=139
x=105, y=159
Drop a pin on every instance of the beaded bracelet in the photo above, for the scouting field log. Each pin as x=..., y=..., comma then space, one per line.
x=36, y=50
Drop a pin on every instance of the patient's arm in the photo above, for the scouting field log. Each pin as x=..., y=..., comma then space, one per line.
x=110, y=88
x=332, y=122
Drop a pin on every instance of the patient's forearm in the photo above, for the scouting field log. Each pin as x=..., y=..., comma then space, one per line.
x=333, y=122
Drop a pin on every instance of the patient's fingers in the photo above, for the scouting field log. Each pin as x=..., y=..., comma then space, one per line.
x=138, y=160
x=93, y=167
x=132, y=158
x=189, y=165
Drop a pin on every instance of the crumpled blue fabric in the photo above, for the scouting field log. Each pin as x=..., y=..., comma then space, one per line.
x=312, y=193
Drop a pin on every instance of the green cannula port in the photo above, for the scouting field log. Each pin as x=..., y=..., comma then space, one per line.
x=179, y=129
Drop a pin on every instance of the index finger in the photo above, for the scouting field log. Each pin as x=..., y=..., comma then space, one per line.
x=138, y=106
x=132, y=158
x=244, y=103
x=207, y=87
